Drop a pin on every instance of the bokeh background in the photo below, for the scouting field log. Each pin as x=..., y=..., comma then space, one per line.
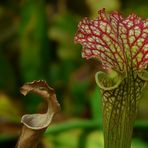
x=36, y=42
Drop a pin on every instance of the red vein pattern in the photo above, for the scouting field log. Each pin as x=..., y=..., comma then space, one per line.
x=119, y=43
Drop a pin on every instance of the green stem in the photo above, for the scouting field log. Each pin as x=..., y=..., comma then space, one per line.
x=71, y=125
x=33, y=39
x=120, y=97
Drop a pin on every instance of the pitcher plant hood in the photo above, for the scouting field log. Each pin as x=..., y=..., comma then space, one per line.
x=119, y=43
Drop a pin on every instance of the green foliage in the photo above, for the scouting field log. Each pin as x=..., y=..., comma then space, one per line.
x=8, y=109
x=36, y=42
x=111, y=5
x=93, y=139
x=33, y=40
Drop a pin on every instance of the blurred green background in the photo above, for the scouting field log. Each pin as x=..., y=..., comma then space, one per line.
x=36, y=42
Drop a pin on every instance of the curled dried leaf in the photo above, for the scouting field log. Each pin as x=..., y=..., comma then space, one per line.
x=39, y=121
x=35, y=124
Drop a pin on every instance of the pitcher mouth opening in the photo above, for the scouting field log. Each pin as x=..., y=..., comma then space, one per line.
x=108, y=81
